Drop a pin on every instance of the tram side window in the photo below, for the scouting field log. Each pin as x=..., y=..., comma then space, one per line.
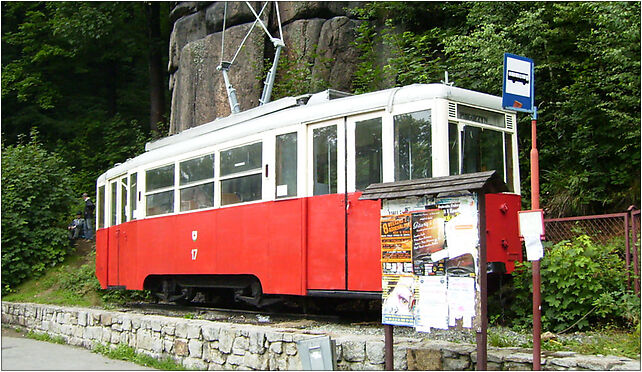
x=453, y=148
x=508, y=153
x=286, y=165
x=241, y=174
x=123, y=199
x=133, y=192
x=159, y=188
x=114, y=211
x=368, y=153
x=100, y=215
x=413, y=146
x=197, y=183
x=483, y=150
x=324, y=153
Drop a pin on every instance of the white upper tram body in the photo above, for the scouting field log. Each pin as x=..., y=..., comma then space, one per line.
x=328, y=142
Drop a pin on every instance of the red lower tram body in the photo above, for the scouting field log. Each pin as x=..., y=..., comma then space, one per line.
x=305, y=246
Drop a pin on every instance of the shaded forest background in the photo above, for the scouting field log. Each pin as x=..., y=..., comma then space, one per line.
x=91, y=79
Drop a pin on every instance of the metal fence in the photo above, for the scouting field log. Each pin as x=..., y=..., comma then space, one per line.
x=603, y=229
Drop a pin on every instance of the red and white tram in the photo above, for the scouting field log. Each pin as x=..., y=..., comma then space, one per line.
x=265, y=202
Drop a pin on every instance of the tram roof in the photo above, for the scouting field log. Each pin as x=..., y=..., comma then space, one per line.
x=288, y=111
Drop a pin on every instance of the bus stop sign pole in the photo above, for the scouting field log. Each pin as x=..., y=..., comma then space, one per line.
x=537, y=302
x=518, y=94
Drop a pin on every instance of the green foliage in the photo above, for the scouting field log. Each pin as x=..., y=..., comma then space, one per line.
x=127, y=353
x=46, y=337
x=587, y=78
x=79, y=72
x=583, y=285
x=294, y=73
x=36, y=198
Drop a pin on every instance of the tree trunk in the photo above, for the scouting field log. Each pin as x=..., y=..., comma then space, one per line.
x=157, y=94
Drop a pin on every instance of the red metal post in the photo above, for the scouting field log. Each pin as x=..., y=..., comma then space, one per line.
x=537, y=308
x=627, y=250
x=636, y=268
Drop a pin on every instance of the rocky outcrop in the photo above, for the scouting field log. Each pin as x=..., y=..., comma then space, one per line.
x=318, y=36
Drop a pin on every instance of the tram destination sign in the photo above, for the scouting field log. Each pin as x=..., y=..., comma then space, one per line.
x=518, y=91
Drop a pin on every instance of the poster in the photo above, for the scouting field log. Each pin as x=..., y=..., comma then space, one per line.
x=428, y=240
x=396, y=265
x=461, y=234
x=461, y=300
x=396, y=245
x=432, y=303
x=398, y=300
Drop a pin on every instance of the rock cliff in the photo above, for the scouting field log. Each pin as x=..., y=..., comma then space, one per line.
x=318, y=40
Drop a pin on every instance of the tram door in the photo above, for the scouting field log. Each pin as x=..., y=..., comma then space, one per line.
x=326, y=251
x=118, y=234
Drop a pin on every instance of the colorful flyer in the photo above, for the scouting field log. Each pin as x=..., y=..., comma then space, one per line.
x=398, y=300
x=427, y=241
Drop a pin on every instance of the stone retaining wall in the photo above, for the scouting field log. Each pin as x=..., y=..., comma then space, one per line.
x=200, y=344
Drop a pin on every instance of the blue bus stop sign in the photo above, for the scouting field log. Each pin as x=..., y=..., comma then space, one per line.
x=518, y=92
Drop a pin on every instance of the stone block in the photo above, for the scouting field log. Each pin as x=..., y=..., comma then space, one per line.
x=375, y=352
x=456, y=363
x=210, y=332
x=424, y=360
x=274, y=336
x=106, y=319
x=82, y=318
x=235, y=360
x=156, y=325
x=193, y=331
x=168, y=329
x=168, y=346
x=290, y=348
x=195, y=348
x=354, y=351
x=127, y=324
x=144, y=339
x=256, y=342
x=255, y=361
x=226, y=340
x=515, y=366
x=194, y=363
x=399, y=361
x=596, y=362
x=181, y=329
x=276, y=347
x=212, y=354
x=180, y=347
x=240, y=346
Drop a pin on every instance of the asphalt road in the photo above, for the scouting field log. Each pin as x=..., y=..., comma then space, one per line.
x=21, y=353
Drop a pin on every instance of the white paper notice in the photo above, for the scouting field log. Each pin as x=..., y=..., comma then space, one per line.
x=461, y=300
x=281, y=190
x=534, y=249
x=432, y=309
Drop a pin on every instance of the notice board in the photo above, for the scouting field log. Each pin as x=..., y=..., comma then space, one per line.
x=430, y=262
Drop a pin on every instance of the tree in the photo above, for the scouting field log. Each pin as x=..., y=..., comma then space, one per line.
x=36, y=200
x=81, y=71
x=587, y=81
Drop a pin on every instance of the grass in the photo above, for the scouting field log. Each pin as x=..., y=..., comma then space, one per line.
x=603, y=342
x=73, y=283
x=46, y=337
x=127, y=353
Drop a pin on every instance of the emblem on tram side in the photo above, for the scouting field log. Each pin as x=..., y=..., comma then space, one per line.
x=194, y=253
x=194, y=235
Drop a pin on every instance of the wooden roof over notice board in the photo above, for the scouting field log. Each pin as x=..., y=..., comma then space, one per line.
x=486, y=182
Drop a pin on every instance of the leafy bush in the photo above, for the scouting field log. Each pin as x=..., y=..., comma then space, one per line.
x=36, y=200
x=583, y=284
